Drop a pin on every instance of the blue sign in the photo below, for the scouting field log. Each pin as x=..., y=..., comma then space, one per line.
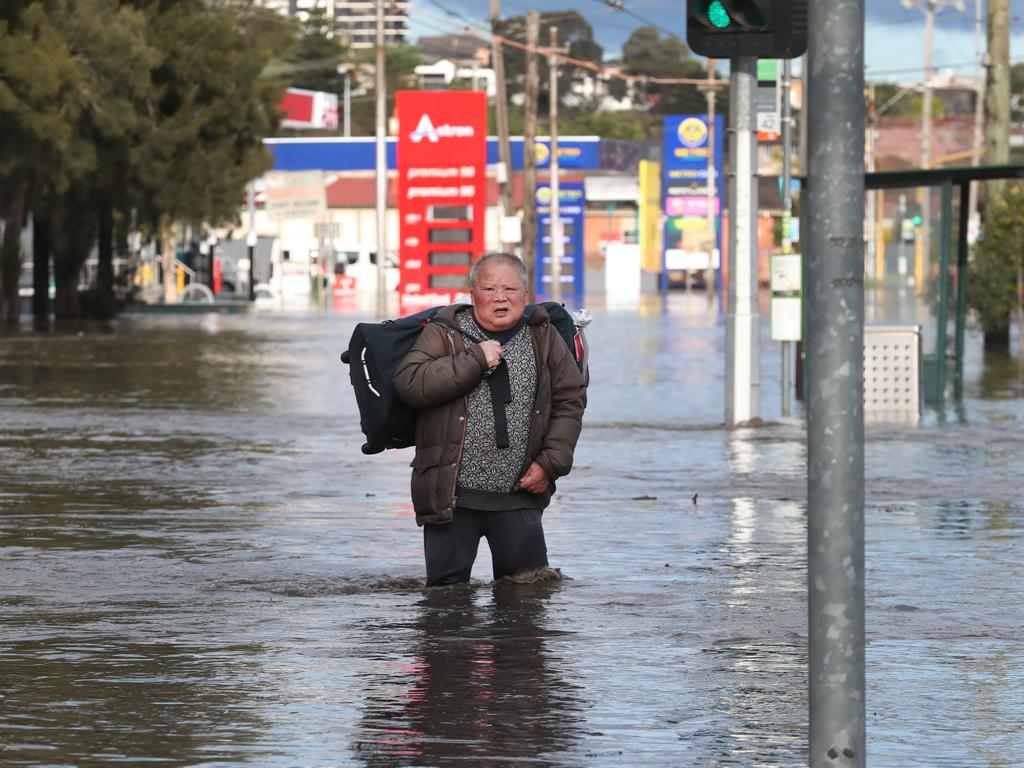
x=686, y=150
x=573, y=153
x=359, y=153
x=572, y=207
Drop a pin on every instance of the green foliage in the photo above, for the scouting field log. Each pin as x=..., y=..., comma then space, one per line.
x=612, y=125
x=313, y=59
x=646, y=52
x=992, y=283
x=575, y=36
x=109, y=105
x=399, y=63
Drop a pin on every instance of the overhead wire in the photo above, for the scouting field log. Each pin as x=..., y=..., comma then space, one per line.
x=599, y=69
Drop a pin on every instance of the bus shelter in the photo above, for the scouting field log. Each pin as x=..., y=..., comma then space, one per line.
x=916, y=261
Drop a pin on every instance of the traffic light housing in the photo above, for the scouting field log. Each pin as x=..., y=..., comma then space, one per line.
x=724, y=29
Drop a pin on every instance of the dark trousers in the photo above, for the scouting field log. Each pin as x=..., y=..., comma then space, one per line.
x=516, y=539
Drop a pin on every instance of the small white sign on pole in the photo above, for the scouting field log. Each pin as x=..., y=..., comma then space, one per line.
x=787, y=301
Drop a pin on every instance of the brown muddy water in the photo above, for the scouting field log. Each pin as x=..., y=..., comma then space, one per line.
x=199, y=568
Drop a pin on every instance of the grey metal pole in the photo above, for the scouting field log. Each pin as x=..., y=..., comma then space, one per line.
x=557, y=249
x=787, y=204
x=250, y=241
x=712, y=182
x=529, y=151
x=835, y=377
x=743, y=323
x=505, y=180
x=382, y=170
x=347, y=106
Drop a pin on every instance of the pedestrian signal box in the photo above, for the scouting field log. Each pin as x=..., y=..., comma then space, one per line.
x=725, y=29
x=442, y=165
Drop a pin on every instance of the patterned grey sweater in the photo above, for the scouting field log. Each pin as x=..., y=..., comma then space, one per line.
x=484, y=466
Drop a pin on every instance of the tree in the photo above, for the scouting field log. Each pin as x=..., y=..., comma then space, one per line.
x=613, y=125
x=399, y=63
x=993, y=289
x=40, y=88
x=109, y=106
x=647, y=53
x=575, y=37
x=312, y=61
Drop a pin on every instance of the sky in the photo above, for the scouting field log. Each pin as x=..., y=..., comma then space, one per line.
x=894, y=35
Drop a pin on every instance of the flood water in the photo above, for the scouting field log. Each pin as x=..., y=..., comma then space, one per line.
x=198, y=567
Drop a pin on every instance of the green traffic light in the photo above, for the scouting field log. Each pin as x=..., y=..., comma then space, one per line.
x=718, y=16
x=917, y=221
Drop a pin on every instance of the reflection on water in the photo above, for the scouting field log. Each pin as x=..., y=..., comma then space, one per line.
x=476, y=681
x=199, y=567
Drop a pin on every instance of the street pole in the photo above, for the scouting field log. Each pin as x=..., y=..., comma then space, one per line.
x=347, y=106
x=787, y=204
x=712, y=182
x=250, y=241
x=997, y=90
x=835, y=374
x=557, y=248
x=926, y=144
x=382, y=170
x=530, y=150
x=743, y=323
x=501, y=117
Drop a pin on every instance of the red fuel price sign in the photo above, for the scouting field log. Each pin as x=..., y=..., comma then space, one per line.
x=442, y=165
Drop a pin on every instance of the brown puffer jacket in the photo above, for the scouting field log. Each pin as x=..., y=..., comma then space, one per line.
x=437, y=376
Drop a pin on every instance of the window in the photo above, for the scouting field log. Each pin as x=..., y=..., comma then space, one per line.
x=450, y=258
x=450, y=213
x=450, y=236
x=459, y=282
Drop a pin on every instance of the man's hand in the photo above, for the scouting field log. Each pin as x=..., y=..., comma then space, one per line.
x=535, y=479
x=492, y=351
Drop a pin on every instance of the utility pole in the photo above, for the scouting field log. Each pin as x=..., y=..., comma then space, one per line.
x=250, y=241
x=930, y=8
x=710, y=94
x=835, y=375
x=997, y=90
x=501, y=116
x=787, y=204
x=382, y=170
x=926, y=141
x=557, y=249
x=980, y=60
x=530, y=150
x=347, y=105
x=743, y=323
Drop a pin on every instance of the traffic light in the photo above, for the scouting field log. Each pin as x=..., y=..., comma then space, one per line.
x=723, y=29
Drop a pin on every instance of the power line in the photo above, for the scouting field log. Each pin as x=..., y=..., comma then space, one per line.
x=601, y=70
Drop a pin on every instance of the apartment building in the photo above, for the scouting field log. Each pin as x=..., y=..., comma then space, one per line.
x=355, y=20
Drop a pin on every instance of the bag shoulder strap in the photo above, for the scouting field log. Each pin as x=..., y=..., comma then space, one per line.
x=454, y=327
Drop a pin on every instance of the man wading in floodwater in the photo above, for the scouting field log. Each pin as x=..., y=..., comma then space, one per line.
x=500, y=405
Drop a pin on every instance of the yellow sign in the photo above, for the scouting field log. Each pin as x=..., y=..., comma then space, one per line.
x=650, y=216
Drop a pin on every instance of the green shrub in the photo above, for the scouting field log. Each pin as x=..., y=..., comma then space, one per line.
x=992, y=276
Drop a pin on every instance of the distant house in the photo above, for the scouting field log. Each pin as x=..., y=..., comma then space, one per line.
x=462, y=51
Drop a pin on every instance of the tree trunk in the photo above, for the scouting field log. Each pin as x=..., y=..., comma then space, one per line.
x=105, y=248
x=10, y=254
x=65, y=271
x=997, y=91
x=41, y=247
x=1020, y=312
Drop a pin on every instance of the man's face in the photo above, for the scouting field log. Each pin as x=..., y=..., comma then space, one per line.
x=499, y=297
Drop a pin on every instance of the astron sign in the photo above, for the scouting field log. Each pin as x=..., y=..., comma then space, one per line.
x=425, y=130
x=442, y=176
